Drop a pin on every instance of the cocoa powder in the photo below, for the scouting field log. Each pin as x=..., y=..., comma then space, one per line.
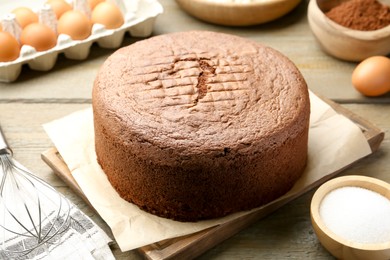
x=364, y=15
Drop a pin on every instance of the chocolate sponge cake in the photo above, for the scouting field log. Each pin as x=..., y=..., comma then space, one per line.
x=197, y=125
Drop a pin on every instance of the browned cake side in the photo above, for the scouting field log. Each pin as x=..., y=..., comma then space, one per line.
x=197, y=125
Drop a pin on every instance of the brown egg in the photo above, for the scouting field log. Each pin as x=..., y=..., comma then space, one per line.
x=59, y=7
x=372, y=76
x=108, y=15
x=9, y=47
x=39, y=36
x=93, y=3
x=1, y=27
x=25, y=16
x=75, y=24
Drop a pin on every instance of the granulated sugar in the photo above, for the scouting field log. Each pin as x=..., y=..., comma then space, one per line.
x=357, y=214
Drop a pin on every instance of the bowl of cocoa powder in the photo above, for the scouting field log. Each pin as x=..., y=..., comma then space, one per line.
x=351, y=30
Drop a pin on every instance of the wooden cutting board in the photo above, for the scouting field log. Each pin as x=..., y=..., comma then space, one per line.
x=193, y=245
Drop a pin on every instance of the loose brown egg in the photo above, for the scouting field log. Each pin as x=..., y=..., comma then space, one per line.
x=93, y=3
x=39, y=36
x=59, y=7
x=25, y=16
x=372, y=76
x=108, y=15
x=75, y=24
x=9, y=47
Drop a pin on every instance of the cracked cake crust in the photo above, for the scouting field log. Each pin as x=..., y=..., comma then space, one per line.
x=197, y=125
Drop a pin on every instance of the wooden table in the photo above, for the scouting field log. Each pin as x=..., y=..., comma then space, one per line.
x=39, y=97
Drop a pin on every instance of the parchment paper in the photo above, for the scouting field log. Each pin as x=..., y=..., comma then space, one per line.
x=334, y=142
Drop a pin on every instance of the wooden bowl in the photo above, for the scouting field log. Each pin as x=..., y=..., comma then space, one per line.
x=336, y=245
x=237, y=14
x=345, y=43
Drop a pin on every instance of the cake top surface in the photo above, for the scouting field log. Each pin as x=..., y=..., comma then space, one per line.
x=200, y=89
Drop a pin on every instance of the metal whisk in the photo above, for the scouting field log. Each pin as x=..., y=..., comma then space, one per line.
x=32, y=213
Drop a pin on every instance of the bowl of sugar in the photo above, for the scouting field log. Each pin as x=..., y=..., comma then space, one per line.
x=351, y=217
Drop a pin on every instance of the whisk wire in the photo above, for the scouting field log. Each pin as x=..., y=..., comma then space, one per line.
x=36, y=220
x=5, y=166
x=40, y=225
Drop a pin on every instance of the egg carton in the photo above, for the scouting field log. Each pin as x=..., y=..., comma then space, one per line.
x=138, y=23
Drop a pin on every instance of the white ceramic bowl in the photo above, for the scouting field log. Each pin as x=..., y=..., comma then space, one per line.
x=237, y=14
x=345, y=43
x=336, y=245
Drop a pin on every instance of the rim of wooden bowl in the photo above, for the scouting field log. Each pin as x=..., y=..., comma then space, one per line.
x=369, y=183
x=234, y=4
x=239, y=9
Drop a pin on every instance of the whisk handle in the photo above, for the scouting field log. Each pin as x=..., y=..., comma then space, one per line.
x=4, y=147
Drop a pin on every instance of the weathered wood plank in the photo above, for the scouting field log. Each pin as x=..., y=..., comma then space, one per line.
x=71, y=81
x=39, y=97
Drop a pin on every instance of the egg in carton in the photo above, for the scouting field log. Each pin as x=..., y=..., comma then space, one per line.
x=138, y=17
